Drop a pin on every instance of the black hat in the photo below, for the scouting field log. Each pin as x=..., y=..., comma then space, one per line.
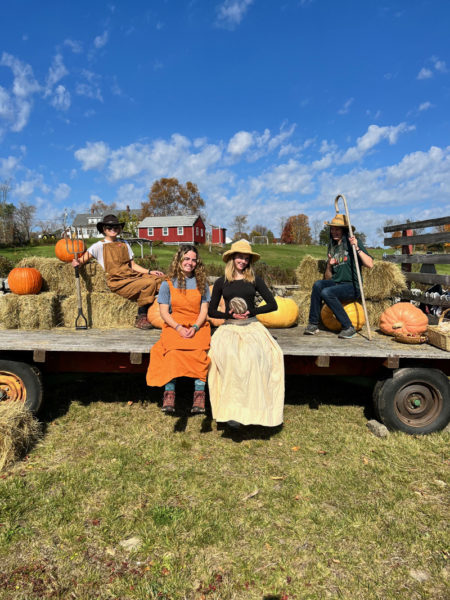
x=109, y=220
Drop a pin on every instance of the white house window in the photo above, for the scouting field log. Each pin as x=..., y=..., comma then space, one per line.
x=201, y=232
x=196, y=231
x=165, y=230
x=150, y=231
x=180, y=230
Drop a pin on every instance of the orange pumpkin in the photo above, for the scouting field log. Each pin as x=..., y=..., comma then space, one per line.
x=25, y=280
x=65, y=249
x=404, y=318
x=221, y=308
x=286, y=314
x=354, y=311
x=153, y=315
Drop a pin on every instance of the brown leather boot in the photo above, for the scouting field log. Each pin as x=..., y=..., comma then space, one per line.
x=142, y=322
x=198, y=406
x=168, y=402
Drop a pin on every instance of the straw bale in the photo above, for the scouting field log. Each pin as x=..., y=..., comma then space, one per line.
x=104, y=311
x=384, y=280
x=375, y=309
x=40, y=311
x=19, y=431
x=303, y=301
x=309, y=271
x=59, y=277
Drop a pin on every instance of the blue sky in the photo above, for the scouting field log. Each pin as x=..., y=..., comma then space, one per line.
x=272, y=107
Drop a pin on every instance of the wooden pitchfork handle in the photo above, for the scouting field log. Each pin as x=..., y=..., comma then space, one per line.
x=355, y=255
x=80, y=321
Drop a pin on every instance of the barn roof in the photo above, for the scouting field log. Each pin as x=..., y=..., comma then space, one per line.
x=176, y=221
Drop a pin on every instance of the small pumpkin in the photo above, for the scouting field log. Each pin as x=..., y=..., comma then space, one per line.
x=221, y=308
x=354, y=311
x=65, y=249
x=403, y=318
x=154, y=316
x=286, y=314
x=25, y=280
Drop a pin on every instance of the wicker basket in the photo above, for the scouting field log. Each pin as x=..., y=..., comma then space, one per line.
x=437, y=335
x=410, y=338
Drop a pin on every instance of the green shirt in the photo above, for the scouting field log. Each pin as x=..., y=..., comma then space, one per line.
x=344, y=268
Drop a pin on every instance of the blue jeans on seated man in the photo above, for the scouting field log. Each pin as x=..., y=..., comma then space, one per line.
x=333, y=294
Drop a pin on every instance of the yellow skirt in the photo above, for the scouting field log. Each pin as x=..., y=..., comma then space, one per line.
x=246, y=375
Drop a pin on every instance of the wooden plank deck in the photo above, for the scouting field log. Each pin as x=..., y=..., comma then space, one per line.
x=292, y=342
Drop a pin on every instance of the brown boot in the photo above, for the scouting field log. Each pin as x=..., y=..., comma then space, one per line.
x=168, y=401
x=142, y=322
x=198, y=405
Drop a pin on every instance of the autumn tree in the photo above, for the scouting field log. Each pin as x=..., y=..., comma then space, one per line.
x=169, y=197
x=238, y=227
x=23, y=222
x=131, y=221
x=259, y=230
x=100, y=208
x=296, y=230
x=6, y=215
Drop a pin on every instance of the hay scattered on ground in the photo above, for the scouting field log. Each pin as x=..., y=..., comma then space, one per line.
x=59, y=277
x=384, y=280
x=40, y=311
x=308, y=271
x=104, y=311
x=19, y=430
x=375, y=310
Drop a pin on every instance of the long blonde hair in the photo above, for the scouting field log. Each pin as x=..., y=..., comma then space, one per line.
x=176, y=272
x=231, y=271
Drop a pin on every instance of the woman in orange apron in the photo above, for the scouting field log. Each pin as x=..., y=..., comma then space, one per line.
x=182, y=348
x=123, y=276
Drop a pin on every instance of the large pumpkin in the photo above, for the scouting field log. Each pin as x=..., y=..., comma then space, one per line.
x=25, y=280
x=221, y=308
x=286, y=314
x=154, y=316
x=65, y=249
x=354, y=311
x=404, y=318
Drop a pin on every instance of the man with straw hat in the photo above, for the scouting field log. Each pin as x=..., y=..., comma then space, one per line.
x=123, y=276
x=340, y=282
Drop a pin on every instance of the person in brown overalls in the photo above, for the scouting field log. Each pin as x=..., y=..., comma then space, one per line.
x=123, y=275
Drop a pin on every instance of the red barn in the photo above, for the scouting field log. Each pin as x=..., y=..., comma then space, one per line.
x=185, y=229
x=218, y=235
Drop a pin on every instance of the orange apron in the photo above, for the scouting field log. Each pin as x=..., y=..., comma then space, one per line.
x=122, y=280
x=174, y=356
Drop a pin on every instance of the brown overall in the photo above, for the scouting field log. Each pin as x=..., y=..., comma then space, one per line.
x=122, y=280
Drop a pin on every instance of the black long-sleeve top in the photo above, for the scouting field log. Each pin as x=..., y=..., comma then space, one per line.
x=239, y=288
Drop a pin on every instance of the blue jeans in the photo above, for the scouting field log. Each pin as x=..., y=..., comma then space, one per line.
x=333, y=294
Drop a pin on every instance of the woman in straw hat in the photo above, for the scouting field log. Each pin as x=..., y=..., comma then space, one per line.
x=340, y=283
x=123, y=276
x=246, y=375
x=182, y=348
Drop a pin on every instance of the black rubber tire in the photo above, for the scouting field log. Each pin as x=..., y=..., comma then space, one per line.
x=414, y=400
x=27, y=384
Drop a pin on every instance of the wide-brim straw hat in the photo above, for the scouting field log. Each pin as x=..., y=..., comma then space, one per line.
x=338, y=221
x=109, y=220
x=243, y=247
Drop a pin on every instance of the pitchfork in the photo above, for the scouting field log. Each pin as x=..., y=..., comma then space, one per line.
x=74, y=243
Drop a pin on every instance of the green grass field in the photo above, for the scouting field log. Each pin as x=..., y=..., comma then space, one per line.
x=119, y=501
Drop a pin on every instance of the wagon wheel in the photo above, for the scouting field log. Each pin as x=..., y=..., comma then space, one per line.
x=414, y=400
x=22, y=383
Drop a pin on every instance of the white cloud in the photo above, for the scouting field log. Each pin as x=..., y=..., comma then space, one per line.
x=345, y=109
x=61, y=192
x=8, y=166
x=240, y=143
x=101, y=40
x=61, y=98
x=74, y=45
x=56, y=72
x=425, y=73
x=231, y=12
x=425, y=106
x=15, y=105
x=371, y=138
x=439, y=65
x=91, y=89
x=93, y=156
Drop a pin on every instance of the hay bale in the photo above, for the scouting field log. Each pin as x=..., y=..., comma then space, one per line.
x=19, y=430
x=384, y=280
x=375, y=309
x=40, y=311
x=309, y=271
x=59, y=277
x=104, y=311
x=303, y=301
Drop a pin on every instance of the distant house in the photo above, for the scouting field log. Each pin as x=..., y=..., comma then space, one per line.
x=218, y=235
x=86, y=224
x=184, y=229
